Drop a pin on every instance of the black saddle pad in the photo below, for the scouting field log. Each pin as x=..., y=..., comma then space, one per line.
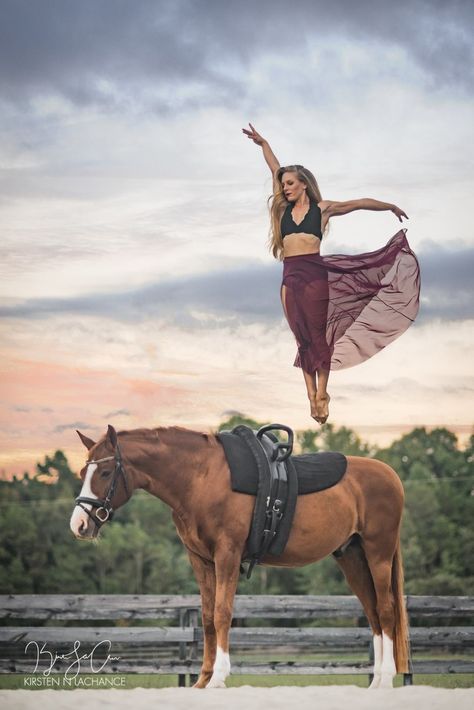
x=315, y=472
x=318, y=471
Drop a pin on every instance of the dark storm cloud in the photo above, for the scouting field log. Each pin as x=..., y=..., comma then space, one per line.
x=103, y=52
x=251, y=294
x=170, y=54
x=447, y=283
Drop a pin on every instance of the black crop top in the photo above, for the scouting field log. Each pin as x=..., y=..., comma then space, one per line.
x=311, y=223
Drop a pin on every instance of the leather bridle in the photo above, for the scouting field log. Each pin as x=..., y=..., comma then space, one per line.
x=102, y=509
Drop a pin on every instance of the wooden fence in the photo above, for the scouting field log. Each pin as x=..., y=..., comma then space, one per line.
x=173, y=644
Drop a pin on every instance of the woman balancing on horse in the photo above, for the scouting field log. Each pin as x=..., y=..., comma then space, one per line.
x=342, y=309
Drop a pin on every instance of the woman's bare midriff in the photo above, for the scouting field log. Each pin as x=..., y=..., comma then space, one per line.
x=300, y=243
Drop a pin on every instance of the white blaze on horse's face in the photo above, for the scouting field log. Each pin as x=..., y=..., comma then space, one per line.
x=79, y=522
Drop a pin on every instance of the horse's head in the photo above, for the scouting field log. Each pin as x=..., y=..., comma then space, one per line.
x=105, y=487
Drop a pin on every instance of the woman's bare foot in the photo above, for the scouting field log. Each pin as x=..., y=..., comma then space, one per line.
x=322, y=407
x=313, y=404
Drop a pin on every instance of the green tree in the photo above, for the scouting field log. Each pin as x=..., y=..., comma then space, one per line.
x=140, y=551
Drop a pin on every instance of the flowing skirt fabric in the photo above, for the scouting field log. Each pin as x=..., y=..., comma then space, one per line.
x=343, y=309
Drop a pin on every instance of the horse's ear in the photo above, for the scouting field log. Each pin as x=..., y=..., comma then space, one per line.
x=88, y=443
x=112, y=435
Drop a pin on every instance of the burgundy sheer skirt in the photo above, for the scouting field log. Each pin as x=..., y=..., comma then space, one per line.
x=343, y=309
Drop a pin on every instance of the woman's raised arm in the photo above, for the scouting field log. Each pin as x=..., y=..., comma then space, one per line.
x=268, y=154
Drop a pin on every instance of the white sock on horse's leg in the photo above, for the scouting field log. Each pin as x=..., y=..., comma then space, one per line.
x=221, y=669
x=388, y=670
x=377, y=661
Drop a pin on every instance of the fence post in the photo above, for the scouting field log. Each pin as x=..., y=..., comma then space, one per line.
x=408, y=677
x=183, y=618
x=188, y=618
x=193, y=646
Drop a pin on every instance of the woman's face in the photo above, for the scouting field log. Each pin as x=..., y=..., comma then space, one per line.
x=292, y=186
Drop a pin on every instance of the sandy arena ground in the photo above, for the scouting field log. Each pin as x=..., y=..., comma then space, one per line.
x=335, y=697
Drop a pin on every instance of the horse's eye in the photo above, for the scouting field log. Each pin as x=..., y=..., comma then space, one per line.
x=105, y=474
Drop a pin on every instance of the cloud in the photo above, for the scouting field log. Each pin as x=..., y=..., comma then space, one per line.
x=117, y=413
x=399, y=386
x=180, y=54
x=23, y=408
x=73, y=425
x=447, y=284
x=251, y=294
x=110, y=53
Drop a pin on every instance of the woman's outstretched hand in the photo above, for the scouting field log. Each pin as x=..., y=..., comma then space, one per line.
x=270, y=158
x=253, y=135
x=399, y=213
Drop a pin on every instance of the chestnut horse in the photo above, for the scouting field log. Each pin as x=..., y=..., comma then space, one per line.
x=188, y=470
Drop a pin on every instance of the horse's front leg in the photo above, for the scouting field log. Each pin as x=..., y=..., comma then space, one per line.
x=205, y=574
x=227, y=563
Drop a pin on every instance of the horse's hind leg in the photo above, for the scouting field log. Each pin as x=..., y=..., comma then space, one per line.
x=380, y=562
x=353, y=563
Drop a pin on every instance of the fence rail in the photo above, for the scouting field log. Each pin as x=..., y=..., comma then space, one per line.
x=174, y=648
x=163, y=606
x=458, y=637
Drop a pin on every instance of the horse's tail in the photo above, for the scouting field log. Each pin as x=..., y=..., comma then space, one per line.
x=401, y=645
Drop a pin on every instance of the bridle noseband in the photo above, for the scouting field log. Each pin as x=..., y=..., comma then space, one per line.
x=103, y=507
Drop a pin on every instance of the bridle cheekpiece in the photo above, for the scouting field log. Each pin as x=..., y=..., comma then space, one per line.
x=102, y=509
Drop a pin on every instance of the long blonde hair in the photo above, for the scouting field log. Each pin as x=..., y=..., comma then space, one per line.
x=277, y=203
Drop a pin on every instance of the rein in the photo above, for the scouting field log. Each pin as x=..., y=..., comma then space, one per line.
x=103, y=506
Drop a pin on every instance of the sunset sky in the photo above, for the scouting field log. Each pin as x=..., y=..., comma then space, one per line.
x=137, y=287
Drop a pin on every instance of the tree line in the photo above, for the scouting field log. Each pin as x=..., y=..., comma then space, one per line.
x=140, y=553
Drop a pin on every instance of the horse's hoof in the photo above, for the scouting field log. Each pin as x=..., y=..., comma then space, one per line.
x=216, y=684
x=386, y=682
x=203, y=679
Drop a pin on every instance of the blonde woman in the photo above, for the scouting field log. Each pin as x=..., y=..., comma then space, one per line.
x=341, y=309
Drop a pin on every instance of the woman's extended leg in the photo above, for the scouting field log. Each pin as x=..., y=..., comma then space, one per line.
x=311, y=388
x=310, y=380
x=322, y=397
x=316, y=298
